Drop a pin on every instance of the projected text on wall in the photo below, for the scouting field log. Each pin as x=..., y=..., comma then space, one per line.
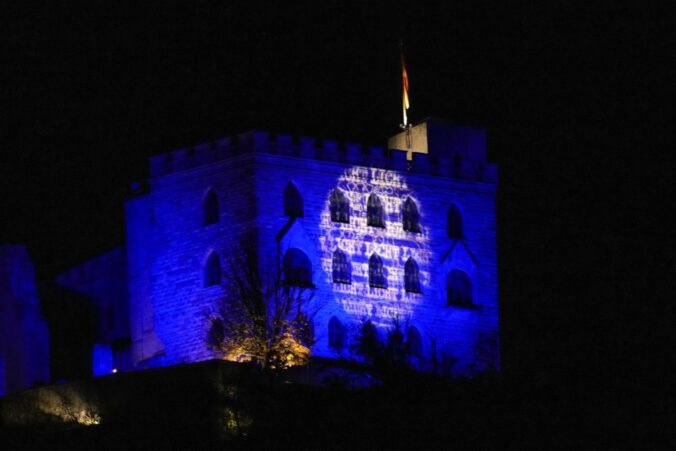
x=391, y=243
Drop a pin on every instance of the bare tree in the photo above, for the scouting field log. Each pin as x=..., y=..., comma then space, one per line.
x=261, y=317
x=391, y=354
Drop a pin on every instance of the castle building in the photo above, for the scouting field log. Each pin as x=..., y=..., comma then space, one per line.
x=403, y=234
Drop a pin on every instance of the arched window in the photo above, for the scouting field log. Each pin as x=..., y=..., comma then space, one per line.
x=341, y=267
x=458, y=288
x=340, y=207
x=293, y=202
x=374, y=212
x=414, y=345
x=454, y=222
x=210, y=207
x=212, y=271
x=410, y=216
x=336, y=334
x=411, y=276
x=368, y=340
x=297, y=268
x=377, y=272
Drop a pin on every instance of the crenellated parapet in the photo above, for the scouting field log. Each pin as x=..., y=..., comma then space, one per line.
x=406, y=230
x=445, y=164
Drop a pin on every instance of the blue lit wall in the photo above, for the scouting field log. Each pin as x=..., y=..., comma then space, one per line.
x=102, y=360
x=168, y=243
x=168, y=246
x=24, y=341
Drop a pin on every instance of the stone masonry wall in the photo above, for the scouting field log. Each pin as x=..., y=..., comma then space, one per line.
x=452, y=331
x=168, y=244
x=167, y=260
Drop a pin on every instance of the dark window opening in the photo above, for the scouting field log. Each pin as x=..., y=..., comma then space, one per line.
x=341, y=267
x=336, y=334
x=297, y=268
x=411, y=217
x=212, y=274
x=210, y=208
x=293, y=202
x=414, y=345
x=454, y=222
x=340, y=207
x=111, y=316
x=374, y=212
x=411, y=276
x=459, y=288
x=370, y=342
x=377, y=272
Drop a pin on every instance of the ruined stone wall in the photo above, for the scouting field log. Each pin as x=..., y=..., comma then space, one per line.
x=24, y=340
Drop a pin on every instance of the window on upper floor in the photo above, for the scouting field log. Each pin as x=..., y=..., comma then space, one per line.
x=458, y=288
x=340, y=207
x=411, y=276
x=297, y=268
x=374, y=212
x=454, y=222
x=377, y=272
x=341, y=267
x=210, y=207
x=336, y=334
x=411, y=217
x=414, y=343
x=293, y=202
x=212, y=271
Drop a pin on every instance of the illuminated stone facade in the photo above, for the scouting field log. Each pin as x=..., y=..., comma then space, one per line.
x=170, y=242
x=386, y=237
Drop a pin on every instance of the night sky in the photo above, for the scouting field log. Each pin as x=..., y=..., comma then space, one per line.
x=572, y=99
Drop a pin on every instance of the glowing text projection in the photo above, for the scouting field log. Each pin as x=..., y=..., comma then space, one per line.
x=359, y=241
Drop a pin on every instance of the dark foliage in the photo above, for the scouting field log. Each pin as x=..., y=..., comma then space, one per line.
x=229, y=406
x=390, y=357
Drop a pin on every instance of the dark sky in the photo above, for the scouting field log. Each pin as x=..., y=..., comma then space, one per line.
x=572, y=99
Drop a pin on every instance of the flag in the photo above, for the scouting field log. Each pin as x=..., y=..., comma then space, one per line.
x=405, y=102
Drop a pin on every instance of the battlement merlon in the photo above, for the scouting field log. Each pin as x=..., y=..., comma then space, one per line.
x=450, y=151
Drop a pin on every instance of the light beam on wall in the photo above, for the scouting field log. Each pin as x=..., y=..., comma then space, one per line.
x=359, y=241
